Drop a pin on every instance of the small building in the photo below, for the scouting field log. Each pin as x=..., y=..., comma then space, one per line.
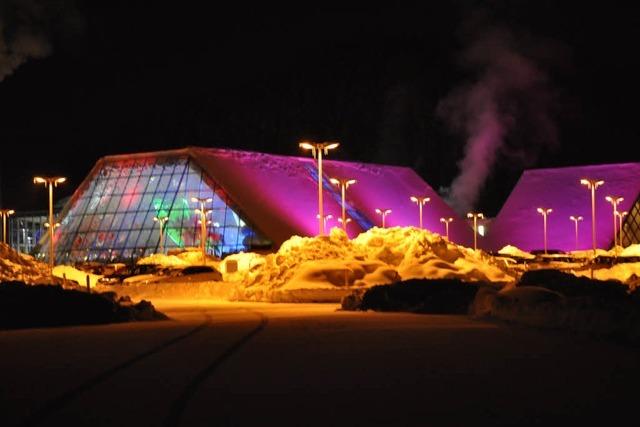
x=520, y=224
x=257, y=201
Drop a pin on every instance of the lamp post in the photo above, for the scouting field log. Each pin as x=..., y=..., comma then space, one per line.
x=344, y=223
x=446, y=222
x=544, y=212
x=317, y=148
x=592, y=184
x=344, y=184
x=325, y=219
x=161, y=222
x=614, y=200
x=621, y=216
x=475, y=217
x=576, y=219
x=420, y=201
x=50, y=181
x=5, y=214
x=383, y=213
x=203, y=223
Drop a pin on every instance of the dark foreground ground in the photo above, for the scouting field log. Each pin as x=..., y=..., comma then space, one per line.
x=285, y=364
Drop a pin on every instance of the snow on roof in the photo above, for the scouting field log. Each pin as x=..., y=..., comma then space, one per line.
x=519, y=224
x=279, y=194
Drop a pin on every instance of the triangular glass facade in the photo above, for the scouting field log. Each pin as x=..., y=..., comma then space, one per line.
x=631, y=226
x=112, y=217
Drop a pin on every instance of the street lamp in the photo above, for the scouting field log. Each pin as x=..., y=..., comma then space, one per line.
x=475, y=217
x=621, y=216
x=50, y=181
x=344, y=223
x=383, y=213
x=161, y=223
x=344, y=184
x=325, y=219
x=576, y=219
x=446, y=222
x=317, y=148
x=544, y=212
x=592, y=184
x=614, y=200
x=5, y=214
x=203, y=223
x=420, y=201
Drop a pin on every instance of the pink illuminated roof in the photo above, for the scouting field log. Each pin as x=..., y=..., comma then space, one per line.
x=519, y=224
x=279, y=194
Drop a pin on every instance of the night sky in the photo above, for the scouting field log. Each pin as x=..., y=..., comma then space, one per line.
x=392, y=84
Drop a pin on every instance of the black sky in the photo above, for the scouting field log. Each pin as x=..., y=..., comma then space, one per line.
x=136, y=76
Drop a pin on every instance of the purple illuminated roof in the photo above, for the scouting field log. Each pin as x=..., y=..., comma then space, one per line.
x=279, y=194
x=519, y=224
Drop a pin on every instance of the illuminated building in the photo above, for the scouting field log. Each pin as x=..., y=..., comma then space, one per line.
x=257, y=202
x=518, y=223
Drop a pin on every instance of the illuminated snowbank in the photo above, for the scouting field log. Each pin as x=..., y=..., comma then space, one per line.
x=324, y=265
x=15, y=266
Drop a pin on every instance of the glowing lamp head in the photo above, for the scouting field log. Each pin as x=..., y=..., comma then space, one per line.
x=306, y=146
x=39, y=180
x=614, y=200
x=347, y=221
x=576, y=218
x=334, y=181
x=591, y=183
x=446, y=220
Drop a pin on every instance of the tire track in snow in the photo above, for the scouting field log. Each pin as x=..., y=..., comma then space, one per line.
x=56, y=404
x=176, y=413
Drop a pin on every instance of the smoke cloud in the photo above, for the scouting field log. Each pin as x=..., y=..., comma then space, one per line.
x=25, y=27
x=504, y=112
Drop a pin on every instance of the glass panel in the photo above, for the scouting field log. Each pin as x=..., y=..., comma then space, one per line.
x=113, y=219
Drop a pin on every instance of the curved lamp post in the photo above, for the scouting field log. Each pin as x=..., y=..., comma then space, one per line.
x=344, y=184
x=325, y=219
x=161, y=223
x=475, y=216
x=383, y=213
x=576, y=220
x=50, y=181
x=621, y=216
x=344, y=223
x=614, y=200
x=592, y=184
x=5, y=214
x=203, y=223
x=420, y=201
x=545, y=212
x=446, y=222
x=317, y=148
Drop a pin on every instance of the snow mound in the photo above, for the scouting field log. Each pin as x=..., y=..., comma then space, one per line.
x=68, y=272
x=514, y=251
x=632, y=250
x=15, y=266
x=379, y=256
x=182, y=259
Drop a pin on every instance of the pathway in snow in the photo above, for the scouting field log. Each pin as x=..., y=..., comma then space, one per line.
x=313, y=365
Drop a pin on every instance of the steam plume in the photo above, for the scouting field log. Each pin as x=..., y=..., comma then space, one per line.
x=504, y=112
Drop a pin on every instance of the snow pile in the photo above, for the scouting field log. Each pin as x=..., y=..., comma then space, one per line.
x=333, y=265
x=15, y=266
x=627, y=273
x=632, y=250
x=184, y=258
x=515, y=252
x=67, y=272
